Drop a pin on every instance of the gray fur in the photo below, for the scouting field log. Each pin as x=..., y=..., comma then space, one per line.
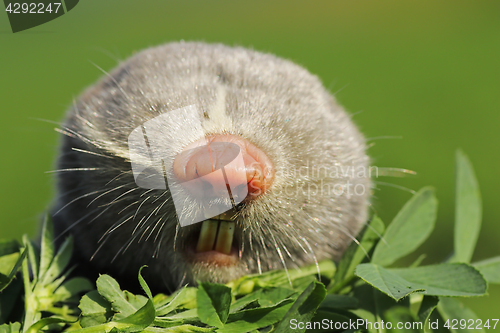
x=272, y=102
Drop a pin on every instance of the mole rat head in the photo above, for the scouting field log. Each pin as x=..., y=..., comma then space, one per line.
x=207, y=162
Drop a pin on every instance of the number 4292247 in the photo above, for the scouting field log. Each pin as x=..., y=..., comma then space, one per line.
x=470, y=324
x=32, y=8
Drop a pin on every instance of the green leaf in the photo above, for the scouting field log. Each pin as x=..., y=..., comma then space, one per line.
x=143, y=317
x=343, y=302
x=409, y=229
x=213, y=303
x=253, y=319
x=490, y=268
x=271, y=296
x=191, y=314
x=170, y=323
x=248, y=283
x=299, y=285
x=357, y=251
x=7, y=262
x=399, y=315
x=450, y=308
x=46, y=247
x=37, y=327
x=123, y=303
x=266, y=297
x=326, y=319
x=133, y=314
x=144, y=285
x=72, y=287
x=435, y=280
x=467, y=210
x=58, y=264
x=436, y=323
x=14, y=261
x=95, y=309
x=10, y=328
x=383, y=305
x=182, y=329
x=427, y=305
x=304, y=308
x=140, y=319
x=33, y=257
x=180, y=299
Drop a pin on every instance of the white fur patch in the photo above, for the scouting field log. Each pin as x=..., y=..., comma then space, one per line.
x=218, y=121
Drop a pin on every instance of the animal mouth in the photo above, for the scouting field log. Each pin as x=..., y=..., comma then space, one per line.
x=215, y=243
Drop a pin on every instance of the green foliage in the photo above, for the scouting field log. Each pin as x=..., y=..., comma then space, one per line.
x=435, y=280
x=467, y=210
x=362, y=288
x=409, y=229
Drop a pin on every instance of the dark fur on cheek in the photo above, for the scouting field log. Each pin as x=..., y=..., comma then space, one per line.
x=271, y=102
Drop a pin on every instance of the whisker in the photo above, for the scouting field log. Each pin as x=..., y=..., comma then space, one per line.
x=124, y=247
x=264, y=247
x=164, y=202
x=88, y=123
x=98, y=215
x=90, y=152
x=120, y=196
x=259, y=264
x=107, y=192
x=313, y=255
x=157, y=250
x=395, y=186
x=115, y=178
x=128, y=206
x=115, y=226
x=143, y=201
x=143, y=194
x=72, y=134
x=382, y=137
x=182, y=281
x=394, y=172
x=113, y=79
x=99, y=247
x=46, y=121
x=351, y=115
x=143, y=222
x=159, y=231
x=76, y=223
x=76, y=199
x=286, y=250
x=159, y=197
x=339, y=90
x=73, y=169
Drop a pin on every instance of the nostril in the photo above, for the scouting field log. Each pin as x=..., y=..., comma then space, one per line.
x=224, y=162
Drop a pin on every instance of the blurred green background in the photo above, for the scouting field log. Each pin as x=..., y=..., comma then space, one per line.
x=426, y=73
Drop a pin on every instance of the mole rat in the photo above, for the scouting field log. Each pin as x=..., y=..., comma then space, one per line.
x=223, y=115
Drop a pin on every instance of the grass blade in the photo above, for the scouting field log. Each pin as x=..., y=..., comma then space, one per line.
x=468, y=212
